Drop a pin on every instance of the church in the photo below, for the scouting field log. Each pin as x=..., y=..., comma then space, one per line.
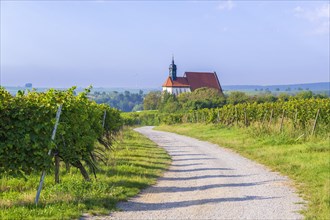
x=190, y=81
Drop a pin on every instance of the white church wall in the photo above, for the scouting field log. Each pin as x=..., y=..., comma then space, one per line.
x=176, y=90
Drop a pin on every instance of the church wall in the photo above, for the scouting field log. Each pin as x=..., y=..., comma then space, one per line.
x=176, y=90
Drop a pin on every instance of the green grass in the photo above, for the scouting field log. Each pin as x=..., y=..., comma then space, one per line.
x=306, y=162
x=135, y=164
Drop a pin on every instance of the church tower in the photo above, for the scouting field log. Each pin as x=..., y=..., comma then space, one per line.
x=172, y=70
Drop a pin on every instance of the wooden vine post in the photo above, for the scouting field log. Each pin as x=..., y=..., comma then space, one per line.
x=282, y=119
x=236, y=115
x=43, y=174
x=197, y=116
x=104, y=116
x=271, y=117
x=314, y=126
x=264, y=118
x=57, y=168
x=295, y=118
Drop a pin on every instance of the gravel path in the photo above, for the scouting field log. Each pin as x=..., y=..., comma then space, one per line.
x=206, y=181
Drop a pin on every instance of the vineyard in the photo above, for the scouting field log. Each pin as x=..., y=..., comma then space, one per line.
x=300, y=116
x=27, y=122
x=83, y=138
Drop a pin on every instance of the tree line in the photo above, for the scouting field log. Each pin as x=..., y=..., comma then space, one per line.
x=125, y=101
x=211, y=98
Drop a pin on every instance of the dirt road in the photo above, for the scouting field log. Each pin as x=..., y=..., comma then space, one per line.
x=209, y=182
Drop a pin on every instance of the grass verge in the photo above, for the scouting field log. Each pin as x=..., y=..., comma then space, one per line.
x=306, y=163
x=135, y=164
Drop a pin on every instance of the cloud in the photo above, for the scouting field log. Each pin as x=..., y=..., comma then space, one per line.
x=226, y=5
x=298, y=10
x=319, y=16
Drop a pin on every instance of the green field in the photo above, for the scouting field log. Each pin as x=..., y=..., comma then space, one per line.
x=135, y=163
x=307, y=162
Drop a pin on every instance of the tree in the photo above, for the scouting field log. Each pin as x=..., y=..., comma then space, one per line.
x=236, y=97
x=138, y=107
x=283, y=97
x=201, y=98
x=123, y=101
x=304, y=95
x=169, y=103
x=152, y=100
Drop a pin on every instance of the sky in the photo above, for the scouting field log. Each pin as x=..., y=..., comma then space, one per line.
x=130, y=44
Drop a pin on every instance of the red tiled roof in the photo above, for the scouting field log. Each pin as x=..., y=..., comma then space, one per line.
x=179, y=82
x=202, y=79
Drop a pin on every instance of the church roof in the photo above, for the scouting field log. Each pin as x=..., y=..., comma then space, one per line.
x=202, y=79
x=195, y=80
x=179, y=82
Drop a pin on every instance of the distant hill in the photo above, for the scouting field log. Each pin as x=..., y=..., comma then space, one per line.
x=314, y=87
x=322, y=87
x=14, y=89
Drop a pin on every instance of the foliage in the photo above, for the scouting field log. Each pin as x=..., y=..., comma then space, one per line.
x=123, y=101
x=236, y=97
x=27, y=122
x=198, y=99
x=304, y=95
x=210, y=98
x=201, y=98
x=169, y=103
x=152, y=100
x=134, y=164
x=141, y=118
x=138, y=107
x=299, y=114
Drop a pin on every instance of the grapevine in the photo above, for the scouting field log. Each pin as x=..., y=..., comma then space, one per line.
x=26, y=123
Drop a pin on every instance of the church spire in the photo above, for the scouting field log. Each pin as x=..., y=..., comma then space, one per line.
x=172, y=69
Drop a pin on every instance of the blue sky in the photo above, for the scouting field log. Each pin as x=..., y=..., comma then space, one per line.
x=130, y=44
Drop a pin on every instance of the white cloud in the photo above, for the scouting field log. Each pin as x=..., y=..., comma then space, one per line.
x=323, y=28
x=319, y=16
x=313, y=14
x=226, y=5
x=298, y=10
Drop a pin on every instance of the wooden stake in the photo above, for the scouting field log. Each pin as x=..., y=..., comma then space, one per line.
x=236, y=115
x=67, y=167
x=281, y=127
x=314, y=126
x=264, y=118
x=104, y=116
x=271, y=117
x=57, y=169
x=299, y=137
x=295, y=118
